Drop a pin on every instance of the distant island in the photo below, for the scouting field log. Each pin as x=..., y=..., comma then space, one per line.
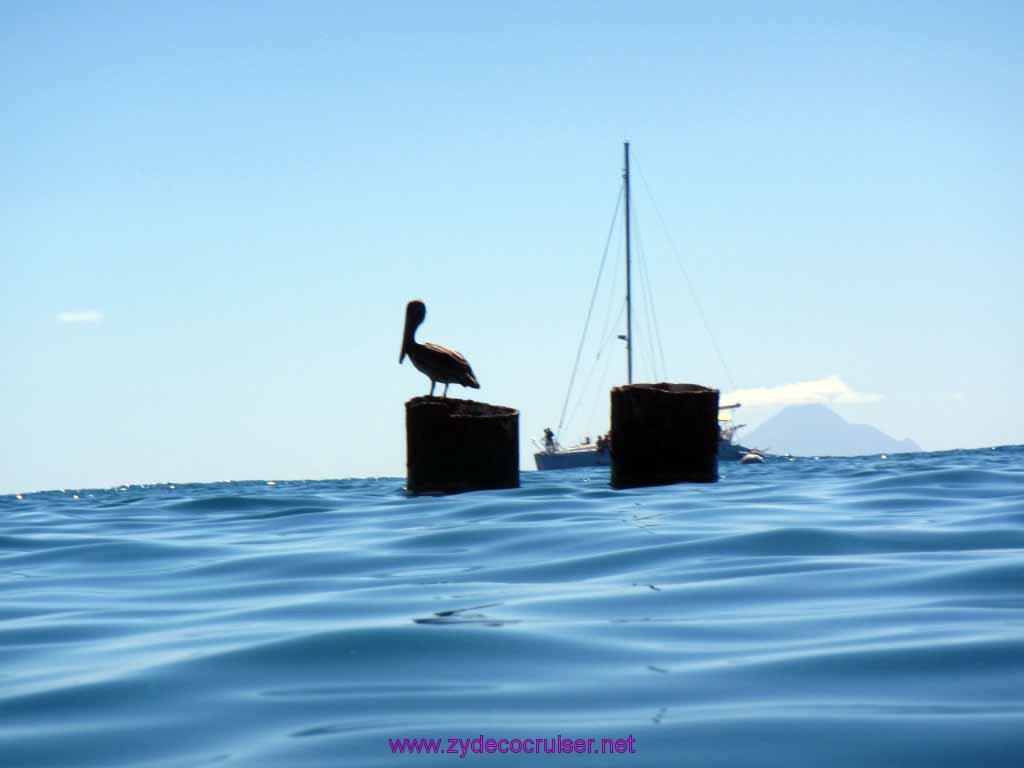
x=817, y=430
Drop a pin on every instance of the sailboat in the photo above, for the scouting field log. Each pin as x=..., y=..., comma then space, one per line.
x=552, y=455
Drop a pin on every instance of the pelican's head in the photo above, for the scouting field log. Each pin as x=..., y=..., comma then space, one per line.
x=415, y=312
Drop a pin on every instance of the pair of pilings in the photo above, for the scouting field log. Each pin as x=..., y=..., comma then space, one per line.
x=661, y=434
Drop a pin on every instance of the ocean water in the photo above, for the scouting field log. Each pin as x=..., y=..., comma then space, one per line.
x=840, y=612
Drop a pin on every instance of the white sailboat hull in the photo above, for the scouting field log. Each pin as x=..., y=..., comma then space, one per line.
x=583, y=456
x=592, y=456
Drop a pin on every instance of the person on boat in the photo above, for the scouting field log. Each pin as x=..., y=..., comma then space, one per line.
x=549, y=439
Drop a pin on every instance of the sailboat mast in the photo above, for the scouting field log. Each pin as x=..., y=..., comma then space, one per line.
x=629, y=271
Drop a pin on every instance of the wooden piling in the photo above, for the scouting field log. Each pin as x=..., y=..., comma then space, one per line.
x=664, y=433
x=460, y=445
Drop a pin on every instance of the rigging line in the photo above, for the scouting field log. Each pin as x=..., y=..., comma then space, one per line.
x=647, y=299
x=650, y=311
x=646, y=307
x=603, y=345
x=585, y=390
x=654, y=313
x=689, y=283
x=651, y=323
x=657, y=326
x=611, y=302
x=590, y=375
x=639, y=363
x=597, y=400
x=657, y=329
x=590, y=310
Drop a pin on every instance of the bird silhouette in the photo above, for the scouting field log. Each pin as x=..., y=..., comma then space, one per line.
x=439, y=363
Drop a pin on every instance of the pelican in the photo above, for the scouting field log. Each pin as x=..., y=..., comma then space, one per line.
x=439, y=363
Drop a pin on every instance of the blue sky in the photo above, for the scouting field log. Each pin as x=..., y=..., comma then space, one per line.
x=212, y=216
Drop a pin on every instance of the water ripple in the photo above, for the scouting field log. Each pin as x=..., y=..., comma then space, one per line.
x=835, y=611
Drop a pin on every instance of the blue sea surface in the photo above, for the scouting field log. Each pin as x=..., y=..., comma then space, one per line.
x=840, y=612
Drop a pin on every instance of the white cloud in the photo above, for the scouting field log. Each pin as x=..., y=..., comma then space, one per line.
x=88, y=316
x=831, y=389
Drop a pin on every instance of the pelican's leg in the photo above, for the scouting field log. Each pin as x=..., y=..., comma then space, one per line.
x=445, y=393
x=432, y=385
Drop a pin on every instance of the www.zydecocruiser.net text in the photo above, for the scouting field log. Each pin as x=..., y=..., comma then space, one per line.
x=530, y=746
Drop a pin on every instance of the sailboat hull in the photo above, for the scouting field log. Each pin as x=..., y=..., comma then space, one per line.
x=580, y=457
x=594, y=457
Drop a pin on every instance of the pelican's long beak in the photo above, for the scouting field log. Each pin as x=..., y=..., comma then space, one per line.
x=409, y=331
x=405, y=337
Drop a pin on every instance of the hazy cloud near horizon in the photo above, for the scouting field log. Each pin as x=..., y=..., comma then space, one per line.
x=831, y=389
x=86, y=316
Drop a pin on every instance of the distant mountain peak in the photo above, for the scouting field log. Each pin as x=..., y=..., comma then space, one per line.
x=815, y=429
